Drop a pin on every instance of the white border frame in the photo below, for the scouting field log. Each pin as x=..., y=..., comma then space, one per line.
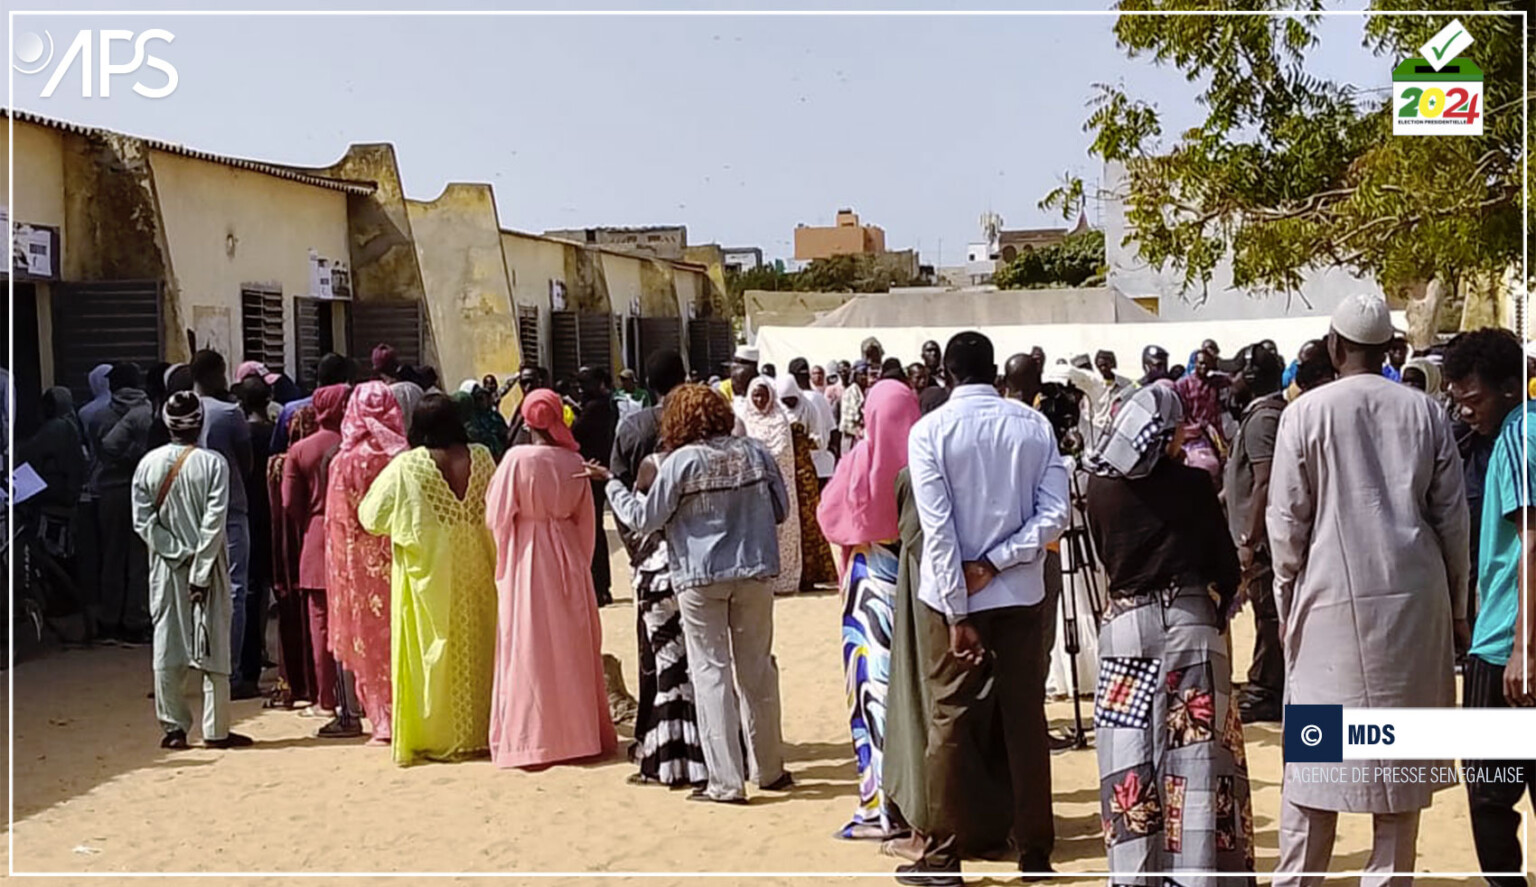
x=11, y=17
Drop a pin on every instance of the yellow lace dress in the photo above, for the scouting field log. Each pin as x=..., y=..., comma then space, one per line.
x=443, y=606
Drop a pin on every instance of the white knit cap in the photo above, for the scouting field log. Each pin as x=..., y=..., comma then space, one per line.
x=1364, y=319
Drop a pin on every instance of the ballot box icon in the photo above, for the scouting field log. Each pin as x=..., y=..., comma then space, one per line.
x=1444, y=102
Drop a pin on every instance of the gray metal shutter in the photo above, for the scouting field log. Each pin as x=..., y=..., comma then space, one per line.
x=396, y=323
x=597, y=341
x=710, y=344
x=104, y=322
x=261, y=325
x=564, y=346
x=657, y=334
x=306, y=339
x=578, y=340
x=528, y=333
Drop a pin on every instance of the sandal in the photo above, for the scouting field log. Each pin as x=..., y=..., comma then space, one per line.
x=176, y=739
x=641, y=779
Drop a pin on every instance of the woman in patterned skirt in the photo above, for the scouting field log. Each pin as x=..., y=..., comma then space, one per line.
x=666, y=748
x=858, y=512
x=1173, y=773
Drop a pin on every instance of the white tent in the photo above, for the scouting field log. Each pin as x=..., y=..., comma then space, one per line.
x=779, y=345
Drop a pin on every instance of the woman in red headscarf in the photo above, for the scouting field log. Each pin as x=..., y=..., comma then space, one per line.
x=550, y=702
x=303, y=504
x=372, y=433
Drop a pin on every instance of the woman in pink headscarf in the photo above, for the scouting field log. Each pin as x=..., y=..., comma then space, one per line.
x=858, y=513
x=550, y=702
x=372, y=433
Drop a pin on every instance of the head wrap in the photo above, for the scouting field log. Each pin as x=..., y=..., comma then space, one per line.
x=468, y=386
x=384, y=358
x=329, y=403
x=409, y=394
x=374, y=423
x=543, y=410
x=788, y=387
x=1140, y=434
x=770, y=426
x=859, y=504
x=183, y=412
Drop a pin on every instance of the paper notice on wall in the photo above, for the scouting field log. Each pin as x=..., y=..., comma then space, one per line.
x=214, y=330
x=320, y=276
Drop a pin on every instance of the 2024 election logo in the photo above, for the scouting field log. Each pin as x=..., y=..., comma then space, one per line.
x=1441, y=92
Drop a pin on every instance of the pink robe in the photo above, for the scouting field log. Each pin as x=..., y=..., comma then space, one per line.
x=550, y=702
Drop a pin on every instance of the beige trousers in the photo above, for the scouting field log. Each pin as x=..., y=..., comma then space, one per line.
x=1306, y=845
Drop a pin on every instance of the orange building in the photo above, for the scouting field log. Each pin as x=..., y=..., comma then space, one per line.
x=846, y=238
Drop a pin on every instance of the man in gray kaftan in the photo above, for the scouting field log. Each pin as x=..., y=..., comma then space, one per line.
x=181, y=520
x=1368, y=527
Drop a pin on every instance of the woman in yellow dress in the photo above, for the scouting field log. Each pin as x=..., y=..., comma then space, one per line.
x=430, y=501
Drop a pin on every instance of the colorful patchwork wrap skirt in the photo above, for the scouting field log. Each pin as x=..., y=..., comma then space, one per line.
x=1173, y=774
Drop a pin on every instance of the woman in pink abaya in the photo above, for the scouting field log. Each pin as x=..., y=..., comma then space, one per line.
x=550, y=703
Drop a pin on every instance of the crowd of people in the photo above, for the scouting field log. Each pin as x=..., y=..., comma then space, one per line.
x=437, y=569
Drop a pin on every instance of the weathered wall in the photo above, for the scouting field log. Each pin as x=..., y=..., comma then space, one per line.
x=383, y=261
x=39, y=197
x=112, y=214
x=228, y=227
x=622, y=275
x=715, y=300
x=464, y=274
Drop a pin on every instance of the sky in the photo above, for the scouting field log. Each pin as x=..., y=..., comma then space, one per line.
x=738, y=127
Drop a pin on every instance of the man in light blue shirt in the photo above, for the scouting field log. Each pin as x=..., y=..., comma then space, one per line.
x=991, y=493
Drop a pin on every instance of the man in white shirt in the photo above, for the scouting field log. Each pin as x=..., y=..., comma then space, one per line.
x=819, y=420
x=991, y=493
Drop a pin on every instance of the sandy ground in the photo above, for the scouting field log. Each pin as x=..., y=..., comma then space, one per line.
x=95, y=794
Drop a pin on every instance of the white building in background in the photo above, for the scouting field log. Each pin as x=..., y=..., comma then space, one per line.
x=1320, y=292
x=741, y=258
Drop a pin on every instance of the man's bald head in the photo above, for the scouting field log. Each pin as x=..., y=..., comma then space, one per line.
x=1021, y=375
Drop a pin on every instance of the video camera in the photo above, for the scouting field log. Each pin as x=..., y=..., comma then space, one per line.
x=1061, y=403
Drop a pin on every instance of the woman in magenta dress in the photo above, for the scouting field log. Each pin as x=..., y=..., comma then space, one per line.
x=549, y=703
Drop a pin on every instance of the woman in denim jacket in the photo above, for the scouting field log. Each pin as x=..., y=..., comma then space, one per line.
x=719, y=499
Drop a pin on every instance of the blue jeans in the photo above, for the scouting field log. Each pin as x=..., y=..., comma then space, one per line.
x=237, y=533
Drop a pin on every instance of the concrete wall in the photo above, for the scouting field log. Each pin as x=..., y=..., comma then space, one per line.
x=39, y=200
x=39, y=197
x=464, y=272
x=228, y=227
x=624, y=279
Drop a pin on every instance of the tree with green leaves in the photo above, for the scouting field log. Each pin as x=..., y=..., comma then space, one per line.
x=1290, y=172
x=1076, y=261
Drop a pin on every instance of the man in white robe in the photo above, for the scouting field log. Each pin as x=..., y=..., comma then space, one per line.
x=1368, y=528
x=180, y=503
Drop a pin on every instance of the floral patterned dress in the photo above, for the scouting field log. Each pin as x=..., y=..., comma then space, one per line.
x=373, y=433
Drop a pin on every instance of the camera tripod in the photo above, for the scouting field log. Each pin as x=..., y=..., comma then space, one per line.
x=1077, y=568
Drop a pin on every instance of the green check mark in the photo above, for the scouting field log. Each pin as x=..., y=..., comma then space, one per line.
x=1441, y=51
